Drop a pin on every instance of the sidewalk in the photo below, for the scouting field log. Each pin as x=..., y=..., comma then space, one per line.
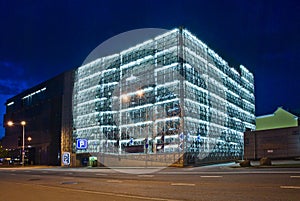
x=279, y=162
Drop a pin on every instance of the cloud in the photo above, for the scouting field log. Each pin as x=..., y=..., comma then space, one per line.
x=12, y=87
x=11, y=78
x=11, y=69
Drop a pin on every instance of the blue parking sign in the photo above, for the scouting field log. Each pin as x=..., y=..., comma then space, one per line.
x=66, y=158
x=81, y=144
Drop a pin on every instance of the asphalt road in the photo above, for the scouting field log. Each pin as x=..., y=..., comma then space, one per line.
x=200, y=183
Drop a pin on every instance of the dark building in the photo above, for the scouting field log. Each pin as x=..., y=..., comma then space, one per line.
x=276, y=136
x=47, y=111
x=276, y=143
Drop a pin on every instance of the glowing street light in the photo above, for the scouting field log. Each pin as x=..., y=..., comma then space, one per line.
x=29, y=140
x=22, y=123
x=10, y=123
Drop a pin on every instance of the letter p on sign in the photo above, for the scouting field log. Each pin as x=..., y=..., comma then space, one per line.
x=81, y=144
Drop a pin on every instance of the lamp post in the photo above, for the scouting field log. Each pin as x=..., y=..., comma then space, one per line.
x=22, y=123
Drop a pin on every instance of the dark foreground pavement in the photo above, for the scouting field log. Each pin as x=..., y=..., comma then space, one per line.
x=217, y=182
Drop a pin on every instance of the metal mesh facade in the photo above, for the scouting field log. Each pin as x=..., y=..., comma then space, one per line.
x=170, y=94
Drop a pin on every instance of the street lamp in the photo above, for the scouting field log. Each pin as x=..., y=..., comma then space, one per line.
x=22, y=123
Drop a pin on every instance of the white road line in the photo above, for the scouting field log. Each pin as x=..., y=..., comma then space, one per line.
x=69, y=182
x=146, y=175
x=182, y=184
x=68, y=178
x=101, y=174
x=290, y=187
x=114, y=181
x=295, y=177
x=211, y=176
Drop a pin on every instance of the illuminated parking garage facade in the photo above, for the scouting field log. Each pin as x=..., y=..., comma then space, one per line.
x=170, y=95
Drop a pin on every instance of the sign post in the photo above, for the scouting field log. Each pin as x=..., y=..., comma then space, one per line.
x=66, y=158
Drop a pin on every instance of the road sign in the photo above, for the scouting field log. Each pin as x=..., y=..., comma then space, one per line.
x=81, y=144
x=66, y=159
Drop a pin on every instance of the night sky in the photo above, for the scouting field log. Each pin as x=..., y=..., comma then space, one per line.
x=41, y=39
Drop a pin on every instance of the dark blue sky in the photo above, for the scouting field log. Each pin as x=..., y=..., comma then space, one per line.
x=40, y=39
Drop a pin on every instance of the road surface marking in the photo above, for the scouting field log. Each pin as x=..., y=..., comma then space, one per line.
x=69, y=182
x=212, y=176
x=295, y=177
x=290, y=187
x=145, y=175
x=229, y=173
x=69, y=178
x=114, y=181
x=101, y=174
x=12, y=174
x=182, y=184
